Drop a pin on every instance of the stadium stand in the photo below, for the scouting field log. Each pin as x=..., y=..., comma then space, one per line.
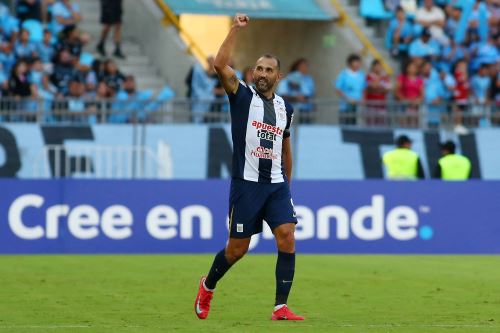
x=50, y=63
x=48, y=58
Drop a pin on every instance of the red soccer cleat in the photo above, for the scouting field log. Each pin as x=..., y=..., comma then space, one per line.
x=202, y=302
x=285, y=313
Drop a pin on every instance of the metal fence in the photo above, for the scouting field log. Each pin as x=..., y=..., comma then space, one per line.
x=389, y=114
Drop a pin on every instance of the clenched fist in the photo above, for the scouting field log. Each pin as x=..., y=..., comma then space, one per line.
x=241, y=20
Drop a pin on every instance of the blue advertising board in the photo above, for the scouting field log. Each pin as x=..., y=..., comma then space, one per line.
x=201, y=151
x=92, y=216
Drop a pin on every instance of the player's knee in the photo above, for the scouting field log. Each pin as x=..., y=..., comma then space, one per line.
x=286, y=240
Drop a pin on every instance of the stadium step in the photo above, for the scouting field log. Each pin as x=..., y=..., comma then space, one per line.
x=137, y=62
x=130, y=47
x=352, y=8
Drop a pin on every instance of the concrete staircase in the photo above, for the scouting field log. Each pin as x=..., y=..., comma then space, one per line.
x=375, y=35
x=137, y=62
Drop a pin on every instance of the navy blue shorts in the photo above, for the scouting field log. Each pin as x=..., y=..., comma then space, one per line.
x=251, y=202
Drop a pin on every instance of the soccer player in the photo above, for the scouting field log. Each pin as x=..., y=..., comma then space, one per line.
x=262, y=170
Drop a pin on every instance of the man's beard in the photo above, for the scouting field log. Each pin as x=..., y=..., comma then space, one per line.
x=263, y=85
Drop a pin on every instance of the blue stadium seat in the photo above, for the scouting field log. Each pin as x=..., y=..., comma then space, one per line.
x=374, y=9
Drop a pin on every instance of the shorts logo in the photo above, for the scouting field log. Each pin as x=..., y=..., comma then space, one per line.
x=239, y=227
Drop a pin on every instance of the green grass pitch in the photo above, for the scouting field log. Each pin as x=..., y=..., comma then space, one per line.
x=155, y=293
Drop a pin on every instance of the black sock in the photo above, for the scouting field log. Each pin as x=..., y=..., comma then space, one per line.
x=285, y=269
x=219, y=267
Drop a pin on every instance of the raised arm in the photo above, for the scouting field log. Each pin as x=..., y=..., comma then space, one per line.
x=221, y=64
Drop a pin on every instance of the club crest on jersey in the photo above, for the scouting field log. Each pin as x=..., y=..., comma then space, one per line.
x=282, y=114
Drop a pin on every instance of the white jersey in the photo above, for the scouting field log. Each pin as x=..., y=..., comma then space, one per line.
x=258, y=127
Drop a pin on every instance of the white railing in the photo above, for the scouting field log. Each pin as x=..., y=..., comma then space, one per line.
x=110, y=162
x=387, y=114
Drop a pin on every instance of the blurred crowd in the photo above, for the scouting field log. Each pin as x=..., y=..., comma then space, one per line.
x=448, y=50
x=209, y=99
x=44, y=56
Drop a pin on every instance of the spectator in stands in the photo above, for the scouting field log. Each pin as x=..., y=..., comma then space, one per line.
x=433, y=18
x=495, y=91
x=76, y=104
x=131, y=102
x=219, y=103
x=29, y=9
x=46, y=50
x=38, y=77
x=98, y=101
x=65, y=13
x=350, y=85
x=409, y=6
x=424, y=47
x=63, y=72
x=84, y=72
x=112, y=75
x=9, y=25
x=399, y=34
x=453, y=21
x=202, y=91
x=480, y=87
x=448, y=84
x=19, y=85
x=434, y=94
x=474, y=17
x=248, y=76
x=4, y=82
x=71, y=42
x=23, y=48
x=494, y=21
x=298, y=88
x=410, y=91
x=378, y=85
x=472, y=42
x=487, y=53
x=451, y=53
x=111, y=17
x=36, y=72
x=461, y=94
x=7, y=56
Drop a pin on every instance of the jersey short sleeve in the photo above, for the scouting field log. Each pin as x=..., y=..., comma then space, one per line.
x=243, y=91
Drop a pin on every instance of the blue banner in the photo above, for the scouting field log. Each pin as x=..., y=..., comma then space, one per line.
x=87, y=216
x=198, y=151
x=284, y=9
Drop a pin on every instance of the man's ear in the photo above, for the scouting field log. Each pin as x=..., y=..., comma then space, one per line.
x=281, y=75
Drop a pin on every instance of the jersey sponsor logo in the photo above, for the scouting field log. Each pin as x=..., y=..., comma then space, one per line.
x=266, y=153
x=266, y=135
x=273, y=129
